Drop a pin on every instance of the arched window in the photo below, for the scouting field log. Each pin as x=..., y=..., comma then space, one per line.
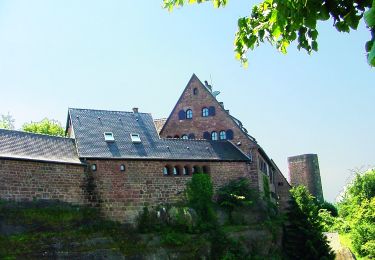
x=195, y=91
x=189, y=114
x=176, y=136
x=222, y=135
x=196, y=169
x=192, y=136
x=176, y=171
x=211, y=111
x=230, y=134
x=185, y=137
x=122, y=167
x=206, y=169
x=165, y=171
x=185, y=170
x=214, y=136
x=181, y=115
x=206, y=135
x=205, y=112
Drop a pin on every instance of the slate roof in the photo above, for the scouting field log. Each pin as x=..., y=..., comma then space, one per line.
x=23, y=145
x=89, y=127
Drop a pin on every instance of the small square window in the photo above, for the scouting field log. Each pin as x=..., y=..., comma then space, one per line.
x=93, y=167
x=108, y=137
x=135, y=138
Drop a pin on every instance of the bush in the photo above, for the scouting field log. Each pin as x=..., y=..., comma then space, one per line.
x=237, y=193
x=199, y=194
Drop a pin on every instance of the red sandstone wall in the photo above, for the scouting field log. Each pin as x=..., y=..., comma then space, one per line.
x=122, y=195
x=28, y=180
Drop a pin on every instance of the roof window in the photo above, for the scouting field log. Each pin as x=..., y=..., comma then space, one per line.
x=108, y=137
x=135, y=138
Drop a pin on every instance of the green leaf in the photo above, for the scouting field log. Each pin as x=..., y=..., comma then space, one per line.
x=370, y=16
x=273, y=16
x=371, y=56
x=314, y=45
x=276, y=32
x=324, y=13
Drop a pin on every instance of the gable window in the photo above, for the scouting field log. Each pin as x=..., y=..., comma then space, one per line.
x=214, y=136
x=192, y=136
x=181, y=115
x=135, y=138
x=206, y=135
x=229, y=134
x=189, y=114
x=195, y=91
x=211, y=111
x=205, y=112
x=108, y=137
x=222, y=135
x=185, y=137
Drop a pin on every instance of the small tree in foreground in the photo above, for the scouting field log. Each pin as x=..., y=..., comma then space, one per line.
x=303, y=238
x=46, y=126
x=7, y=122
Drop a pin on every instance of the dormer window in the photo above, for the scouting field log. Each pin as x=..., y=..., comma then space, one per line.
x=108, y=137
x=189, y=114
x=135, y=138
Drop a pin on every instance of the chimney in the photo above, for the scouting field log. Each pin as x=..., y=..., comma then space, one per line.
x=221, y=104
x=227, y=111
x=135, y=109
x=208, y=86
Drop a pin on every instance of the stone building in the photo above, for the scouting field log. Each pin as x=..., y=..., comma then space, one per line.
x=304, y=170
x=199, y=115
x=112, y=160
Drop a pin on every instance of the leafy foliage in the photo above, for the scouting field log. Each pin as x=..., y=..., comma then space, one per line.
x=357, y=208
x=7, y=122
x=46, y=126
x=199, y=195
x=237, y=193
x=303, y=233
x=281, y=22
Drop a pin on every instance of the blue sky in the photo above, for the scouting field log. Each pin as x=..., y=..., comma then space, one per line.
x=121, y=54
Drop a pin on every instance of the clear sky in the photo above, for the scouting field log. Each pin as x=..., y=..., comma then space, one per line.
x=121, y=54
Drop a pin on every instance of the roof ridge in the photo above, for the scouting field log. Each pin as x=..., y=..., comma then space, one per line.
x=36, y=134
x=103, y=110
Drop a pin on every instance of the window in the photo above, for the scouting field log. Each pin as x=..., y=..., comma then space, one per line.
x=206, y=169
x=176, y=136
x=181, y=115
x=229, y=134
x=135, y=138
x=206, y=135
x=192, y=136
x=189, y=114
x=185, y=170
x=195, y=91
x=176, y=171
x=93, y=167
x=122, y=167
x=211, y=111
x=280, y=184
x=222, y=135
x=108, y=137
x=205, y=112
x=165, y=171
x=195, y=169
x=185, y=137
x=214, y=136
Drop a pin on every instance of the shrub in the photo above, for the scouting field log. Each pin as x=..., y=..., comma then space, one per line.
x=199, y=194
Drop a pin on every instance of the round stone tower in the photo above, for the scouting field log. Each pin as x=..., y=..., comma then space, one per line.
x=304, y=170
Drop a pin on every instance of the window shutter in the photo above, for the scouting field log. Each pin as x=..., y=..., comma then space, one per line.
x=207, y=135
x=229, y=134
x=181, y=115
x=191, y=136
x=211, y=111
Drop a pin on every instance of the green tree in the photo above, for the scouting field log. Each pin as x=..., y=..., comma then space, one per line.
x=303, y=238
x=358, y=209
x=281, y=22
x=46, y=126
x=199, y=195
x=7, y=122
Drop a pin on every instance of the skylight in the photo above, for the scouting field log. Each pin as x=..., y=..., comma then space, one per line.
x=108, y=137
x=135, y=138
